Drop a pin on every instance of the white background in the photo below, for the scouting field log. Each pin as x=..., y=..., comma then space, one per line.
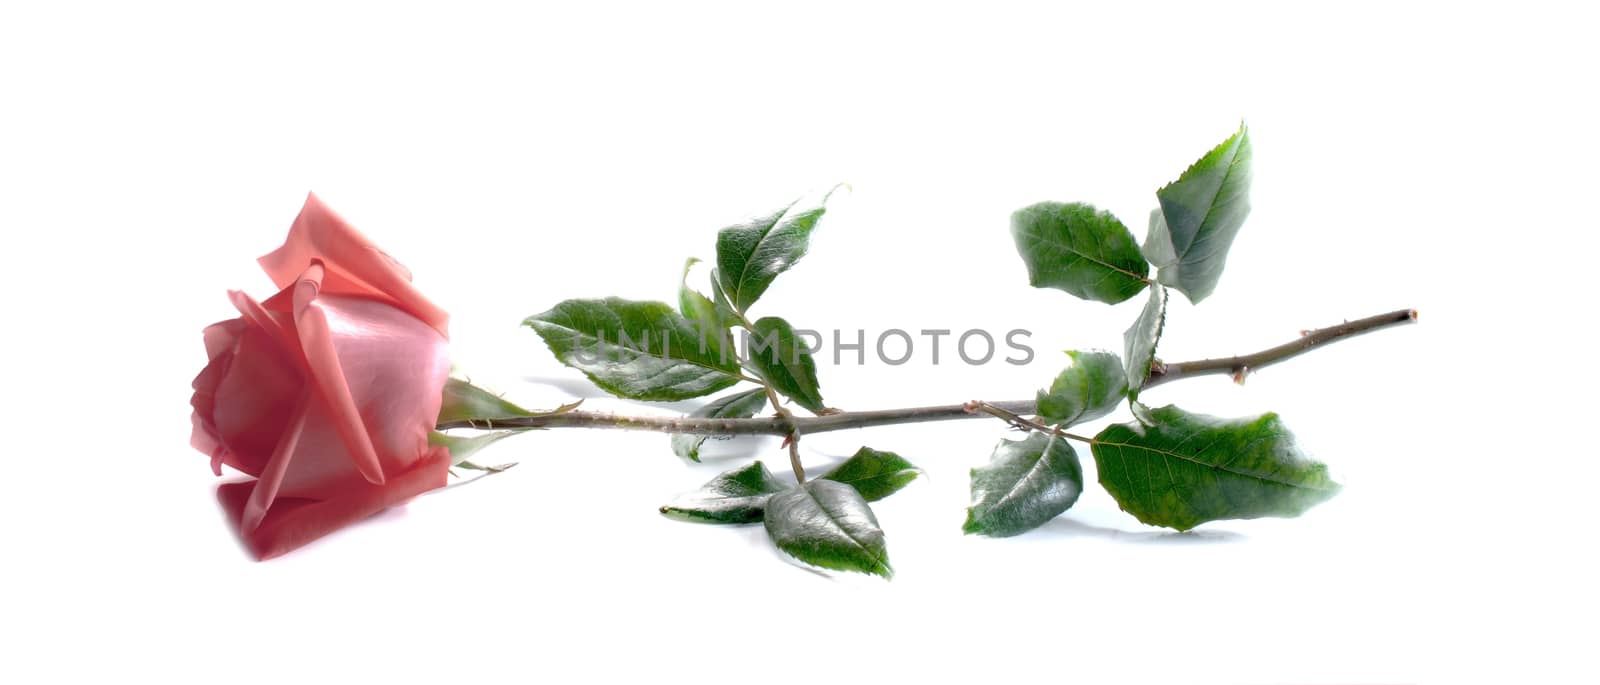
x=1438, y=158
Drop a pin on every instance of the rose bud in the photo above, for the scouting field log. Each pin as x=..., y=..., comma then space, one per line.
x=325, y=392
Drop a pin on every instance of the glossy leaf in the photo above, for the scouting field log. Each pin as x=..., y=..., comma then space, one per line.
x=1200, y=215
x=1027, y=483
x=736, y=496
x=636, y=350
x=463, y=401
x=739, y=405
x=1177, y=469
x=1087, y=390
x=828, y=524
x=700, y=309
x=1078, y=249
x=1139, y=341
x=719, y=298
x=873, y=473
x=781, y=358
x=750, y=255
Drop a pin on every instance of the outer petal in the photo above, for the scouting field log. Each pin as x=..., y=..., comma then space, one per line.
x=221, y=336
x=203, y=437
x=276, y=325
x=395, y=369
x=321, y=467
x=221, y=340
x=291, y=523
x=355, y=265
x=251, y=403
x=322, y=359
x=272, y=474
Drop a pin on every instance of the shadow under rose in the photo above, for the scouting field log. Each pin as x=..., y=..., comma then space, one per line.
x=225, y=509
x=1064, y=526
x=230, y=499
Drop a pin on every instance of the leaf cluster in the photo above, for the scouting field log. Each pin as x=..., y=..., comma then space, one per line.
x=1167, y=466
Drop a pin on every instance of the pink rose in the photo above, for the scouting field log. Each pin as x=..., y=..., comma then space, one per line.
x=325, y=392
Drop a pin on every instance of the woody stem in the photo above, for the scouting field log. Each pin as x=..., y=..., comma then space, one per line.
x=784, y=426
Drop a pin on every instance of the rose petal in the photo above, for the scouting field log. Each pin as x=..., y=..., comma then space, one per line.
x=322, y=467
x=252, y=403
x=316, y=341
x=291, y=523
x=204, y=438
x=257, y=315
x=266, y=489
x=221, y=341
x=221, y=336
x=202, y=432
x=395, y=367
x=355, y=265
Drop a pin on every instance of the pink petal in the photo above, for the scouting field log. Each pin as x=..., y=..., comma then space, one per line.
x=395, y=367
x=220, y=337
x=252, y=403
x=204, y=438
x=291, y=523
x=253, y=312
x=316, y=342
x=322, y=466
x=266, y=489
x=355, y=265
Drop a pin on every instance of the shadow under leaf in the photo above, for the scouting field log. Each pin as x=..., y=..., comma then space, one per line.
x=580, y=388
x=1064, y=526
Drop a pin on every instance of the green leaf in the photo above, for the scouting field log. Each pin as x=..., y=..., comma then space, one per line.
x=465, y=401
x=736, y=496
x=1177, y=469
x=740, y=405
x=752, y=254
x=462, y=447
x=828, y=524
x=873, y=473
x=1200, y=215
x=1027, y=483
x=780, y=358
x=700, y=309
x=1079, y=249
x=1139, y=341
x=720, y=298
x=636, y=350
x=1085, y=391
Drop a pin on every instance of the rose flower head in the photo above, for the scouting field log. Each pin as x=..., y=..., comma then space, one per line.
x=324, y=392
